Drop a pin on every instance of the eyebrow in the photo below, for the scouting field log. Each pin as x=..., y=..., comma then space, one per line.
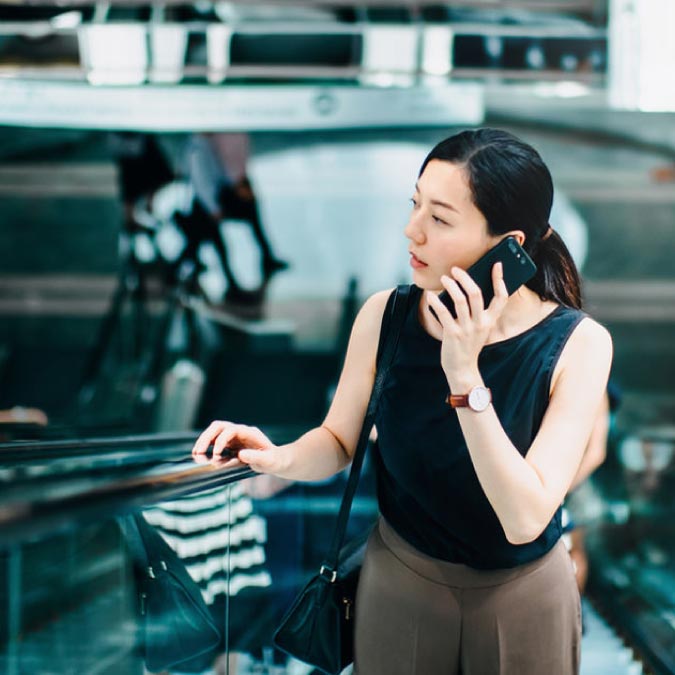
x=436, y=202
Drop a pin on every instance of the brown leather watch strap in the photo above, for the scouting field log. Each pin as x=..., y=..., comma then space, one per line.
x=457, y=400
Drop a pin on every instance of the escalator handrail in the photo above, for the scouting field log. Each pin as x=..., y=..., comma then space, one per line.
x=86, y=501
x=84, y=444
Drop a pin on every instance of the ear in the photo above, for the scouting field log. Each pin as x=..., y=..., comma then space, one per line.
x=518, y=235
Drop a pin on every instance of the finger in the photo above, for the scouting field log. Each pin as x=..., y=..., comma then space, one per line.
x=206, y=437
x=459, y=298
x=230, y=437
x=470, y=287
x=257, y=437
x=224, y=462
x=239, y=436
x=501, y=292
x=442, y=312
x=259, y=460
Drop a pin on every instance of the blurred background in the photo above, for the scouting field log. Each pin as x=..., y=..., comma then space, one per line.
x=195, y=200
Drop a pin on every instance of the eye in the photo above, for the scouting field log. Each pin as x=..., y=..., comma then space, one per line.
x=436, y=219
x=413, y=202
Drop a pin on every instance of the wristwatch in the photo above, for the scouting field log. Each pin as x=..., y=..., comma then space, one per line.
x=478, y=399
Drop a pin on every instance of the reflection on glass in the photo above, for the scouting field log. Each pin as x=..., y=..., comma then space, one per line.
x=220, y=540
x=68, y=605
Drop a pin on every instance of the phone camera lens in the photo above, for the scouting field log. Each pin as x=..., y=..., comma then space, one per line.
x=522, y=262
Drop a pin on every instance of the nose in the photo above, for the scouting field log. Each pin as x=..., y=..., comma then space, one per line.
x=414, y=230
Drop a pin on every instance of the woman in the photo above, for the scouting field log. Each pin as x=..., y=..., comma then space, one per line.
x=465, y=570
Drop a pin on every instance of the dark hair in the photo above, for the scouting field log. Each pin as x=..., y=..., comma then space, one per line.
x=512, y=187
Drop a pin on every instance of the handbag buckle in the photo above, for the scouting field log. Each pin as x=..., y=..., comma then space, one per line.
x=323, y=572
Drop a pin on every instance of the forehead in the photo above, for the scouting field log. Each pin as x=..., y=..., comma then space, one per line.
x=446, y=182
x=445, y=177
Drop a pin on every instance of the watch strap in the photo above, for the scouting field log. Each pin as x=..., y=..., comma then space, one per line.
x=462, y=400
x=458, y=400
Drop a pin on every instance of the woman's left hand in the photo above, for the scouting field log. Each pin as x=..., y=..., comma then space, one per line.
x=465, y=336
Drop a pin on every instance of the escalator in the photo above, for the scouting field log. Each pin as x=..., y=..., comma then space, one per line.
x=632, y=555
x=68, y=590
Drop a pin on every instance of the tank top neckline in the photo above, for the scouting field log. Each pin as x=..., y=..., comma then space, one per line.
x=499, y=343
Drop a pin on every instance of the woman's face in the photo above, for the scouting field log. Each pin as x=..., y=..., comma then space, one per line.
x=445, y=228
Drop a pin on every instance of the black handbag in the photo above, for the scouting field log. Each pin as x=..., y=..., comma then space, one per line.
x=176, y=624
x=318, y=628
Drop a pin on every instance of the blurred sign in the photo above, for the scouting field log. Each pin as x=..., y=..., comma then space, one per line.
x=232, y=108
x=642, y=55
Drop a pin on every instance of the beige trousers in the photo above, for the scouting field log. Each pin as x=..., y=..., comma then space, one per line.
x=417, y=615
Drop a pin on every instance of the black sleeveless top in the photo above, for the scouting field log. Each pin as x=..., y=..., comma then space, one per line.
x=427, y=488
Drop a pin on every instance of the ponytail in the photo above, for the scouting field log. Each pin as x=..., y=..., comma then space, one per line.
x=557, y=277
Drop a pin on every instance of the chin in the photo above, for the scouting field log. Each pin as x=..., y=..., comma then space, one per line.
x=428, y=284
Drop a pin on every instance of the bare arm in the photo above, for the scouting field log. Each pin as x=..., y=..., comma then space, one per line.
x=596, y=450
x=523, y=491
x=325, y=450
x=526, y=491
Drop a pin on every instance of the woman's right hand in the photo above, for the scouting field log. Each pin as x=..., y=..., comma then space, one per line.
x=248, y=444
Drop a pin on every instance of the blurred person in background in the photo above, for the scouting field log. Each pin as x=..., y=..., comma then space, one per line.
x=142, y=169
x=217, y=169
x=581, y=496
x=594, y=456
x=572, y=228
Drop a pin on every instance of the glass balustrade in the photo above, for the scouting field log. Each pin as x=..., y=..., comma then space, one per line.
x=75, y=595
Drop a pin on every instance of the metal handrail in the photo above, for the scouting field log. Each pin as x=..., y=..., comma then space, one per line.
x=39, y=502
x=88, y=444
x=360, y=65
x=249, y=27
x=543, y=5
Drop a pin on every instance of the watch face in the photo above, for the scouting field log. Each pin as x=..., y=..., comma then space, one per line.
x=479, y=399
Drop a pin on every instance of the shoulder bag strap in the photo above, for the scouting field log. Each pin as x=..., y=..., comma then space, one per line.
x=398, y=312
x=135, y=542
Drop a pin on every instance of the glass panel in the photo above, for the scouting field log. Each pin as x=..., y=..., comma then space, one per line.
x=69, y=604
x=99, y=599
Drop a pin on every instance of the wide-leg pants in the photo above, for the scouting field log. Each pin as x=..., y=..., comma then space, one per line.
x=417, y=615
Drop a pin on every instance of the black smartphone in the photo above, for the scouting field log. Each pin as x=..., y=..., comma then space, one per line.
x=518, y=269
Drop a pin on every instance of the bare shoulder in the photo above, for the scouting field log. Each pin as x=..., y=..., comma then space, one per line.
x=372, y=311
x=587, y=354
x=366, y=331
x=349, y=405
x=591, y=336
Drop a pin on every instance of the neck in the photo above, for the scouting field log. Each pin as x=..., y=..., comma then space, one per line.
x=523, y=309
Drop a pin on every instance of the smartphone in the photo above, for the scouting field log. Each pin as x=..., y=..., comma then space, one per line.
x=518, y=269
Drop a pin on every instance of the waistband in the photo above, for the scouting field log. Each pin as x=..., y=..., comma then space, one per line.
x=455, y=574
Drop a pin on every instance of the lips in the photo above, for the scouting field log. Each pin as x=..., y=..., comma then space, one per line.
x=415, y=261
